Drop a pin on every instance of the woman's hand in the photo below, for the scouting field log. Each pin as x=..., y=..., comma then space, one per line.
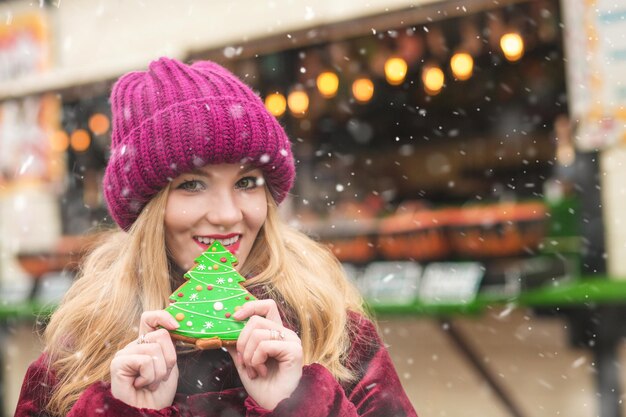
x=144, y=374
x=268, y=356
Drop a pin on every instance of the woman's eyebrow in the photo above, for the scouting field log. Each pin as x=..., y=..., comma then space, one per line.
x=242, y=170
x=246, y=168
x=199, y=172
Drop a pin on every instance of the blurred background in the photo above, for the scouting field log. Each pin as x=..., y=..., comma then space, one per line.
x=465, y=160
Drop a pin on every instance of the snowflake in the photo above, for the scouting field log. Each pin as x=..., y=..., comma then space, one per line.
x=201, y=267
x=220, y=280
x=208, y=325
x=193, y=296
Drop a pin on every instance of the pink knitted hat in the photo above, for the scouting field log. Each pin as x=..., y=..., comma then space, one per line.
x=174, y=118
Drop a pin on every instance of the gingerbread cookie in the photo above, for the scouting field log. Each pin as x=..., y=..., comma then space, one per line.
x=204, y=305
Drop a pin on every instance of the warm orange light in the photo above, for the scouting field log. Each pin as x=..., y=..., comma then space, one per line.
x=99, y=123
x=276, y=104
x=462, y=65
x=363, y=89
x=328, y=84
x=80, y=140
x=298, y=102
x=512, y=45
x=395, y=70
x=433, y=79
x=59, y=141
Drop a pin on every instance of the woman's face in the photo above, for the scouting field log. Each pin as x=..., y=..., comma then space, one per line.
x=224, y=202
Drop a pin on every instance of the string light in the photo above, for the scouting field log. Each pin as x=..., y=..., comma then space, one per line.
x=512, y=46
x=363, y=89
x=276, y=104
x=328, y=84
x=433, y=79
x=99, y=123
x=59, y=141
x=462, y=65
x=395, y=70
x=80, y=140
x=298, y=102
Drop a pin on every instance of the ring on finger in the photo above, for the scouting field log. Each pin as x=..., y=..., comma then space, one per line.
x=276, y=335
x=142, y=339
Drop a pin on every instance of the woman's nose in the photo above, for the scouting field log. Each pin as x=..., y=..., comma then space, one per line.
x=224, y=211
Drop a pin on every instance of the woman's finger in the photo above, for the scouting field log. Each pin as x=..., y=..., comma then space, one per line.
x=136, y=367
x=282, y=352
x=274, y=332
x=255, y=322
x=153, y=320
x=264, y=308
x=145, y=343
x=160, y=369
x=257, y=336
x=168, y=350
x=159, y=346
x=238, y=361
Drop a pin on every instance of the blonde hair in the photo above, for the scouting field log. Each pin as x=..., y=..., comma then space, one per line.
x=129, y=273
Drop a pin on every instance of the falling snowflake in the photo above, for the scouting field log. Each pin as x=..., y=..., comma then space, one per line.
x=208, y=325
x=201, y=267
x=220, y=280
x=193, y=297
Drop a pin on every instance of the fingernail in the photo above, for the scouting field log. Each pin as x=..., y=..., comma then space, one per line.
x=174, y=323
x=238, y=315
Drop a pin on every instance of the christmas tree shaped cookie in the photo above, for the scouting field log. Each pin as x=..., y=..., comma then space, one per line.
x=204, y=305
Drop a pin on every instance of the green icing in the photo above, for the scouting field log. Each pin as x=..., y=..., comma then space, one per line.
x=209, y=297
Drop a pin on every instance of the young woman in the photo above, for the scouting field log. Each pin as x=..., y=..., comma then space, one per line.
x=195, y=157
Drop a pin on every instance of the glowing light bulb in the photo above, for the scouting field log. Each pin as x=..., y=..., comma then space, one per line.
x=276, y=104
x=433, y=79
x=59, y=141
x=462, y=65
x=395, y=70
x=298, y=102
x=363, y=89
x=512, y=45
x=328, y=84
x=80, y=140
x=99, y=123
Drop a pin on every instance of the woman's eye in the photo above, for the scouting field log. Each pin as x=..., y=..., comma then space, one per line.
x=191, y=185
x=247, y=183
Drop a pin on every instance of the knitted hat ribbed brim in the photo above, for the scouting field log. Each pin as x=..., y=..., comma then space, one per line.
x=174, y=118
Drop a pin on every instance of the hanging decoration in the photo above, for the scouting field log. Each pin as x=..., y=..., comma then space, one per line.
x=462, y=65
x=363, y=89
x=395, y=70
x=433, y=79
x=298, y=103
x=328, y=84
x=276, y=104
x=512, y=46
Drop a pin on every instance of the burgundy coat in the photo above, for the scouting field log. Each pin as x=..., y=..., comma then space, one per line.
x=209, y=386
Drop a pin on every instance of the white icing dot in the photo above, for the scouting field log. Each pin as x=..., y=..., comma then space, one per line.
x=189, y=323
x=218, y=306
